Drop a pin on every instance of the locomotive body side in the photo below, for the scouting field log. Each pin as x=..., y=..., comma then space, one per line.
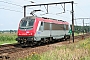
x=51, y=28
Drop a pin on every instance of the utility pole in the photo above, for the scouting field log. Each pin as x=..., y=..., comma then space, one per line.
x=72, y=22
x=83, y=22
x=83, y=26
x=87, y=26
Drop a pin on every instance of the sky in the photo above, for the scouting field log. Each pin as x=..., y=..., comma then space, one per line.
x=11, y=12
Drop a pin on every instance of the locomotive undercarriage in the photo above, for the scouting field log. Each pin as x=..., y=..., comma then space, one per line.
x=29, y=41
x=25, y=41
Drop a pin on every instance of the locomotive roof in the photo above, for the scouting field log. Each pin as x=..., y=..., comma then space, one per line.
x=29, y=17
x=33, y=17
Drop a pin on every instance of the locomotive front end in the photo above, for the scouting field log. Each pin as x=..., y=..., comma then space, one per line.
x=26, y=31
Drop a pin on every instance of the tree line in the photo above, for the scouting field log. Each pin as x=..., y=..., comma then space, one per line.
x=8, y=31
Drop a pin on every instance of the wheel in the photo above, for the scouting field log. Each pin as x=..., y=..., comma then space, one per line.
x=22, y=45
x=65, y=37
x=51, y=39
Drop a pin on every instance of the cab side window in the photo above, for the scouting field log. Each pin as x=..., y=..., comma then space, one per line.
x=41, y=27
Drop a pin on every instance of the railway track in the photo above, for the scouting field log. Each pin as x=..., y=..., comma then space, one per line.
x=5, y=50
x=10, y=51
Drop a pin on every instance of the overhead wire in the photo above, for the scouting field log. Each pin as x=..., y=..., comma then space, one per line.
x=58, y=8
x=29, y=1
x=82, y=10
x=54, y=14
x=11, y=10
x=11, y=3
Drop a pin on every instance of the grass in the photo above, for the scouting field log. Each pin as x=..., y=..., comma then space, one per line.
x=76, y=34
x=10, y=38
x=75, y=51
x=7, y=38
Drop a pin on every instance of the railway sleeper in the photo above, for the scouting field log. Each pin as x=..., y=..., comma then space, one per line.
x=4, y=56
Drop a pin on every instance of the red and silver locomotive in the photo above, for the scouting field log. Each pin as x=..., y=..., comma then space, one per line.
x=33, y=30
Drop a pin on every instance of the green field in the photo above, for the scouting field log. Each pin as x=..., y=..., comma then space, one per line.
x=75, y=51
x=7, y=38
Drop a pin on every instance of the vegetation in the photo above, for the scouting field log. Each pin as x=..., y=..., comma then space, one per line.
x=7, y=38
x=8, y=31
x=76, y=51
x=81, y=29
x=76, y=34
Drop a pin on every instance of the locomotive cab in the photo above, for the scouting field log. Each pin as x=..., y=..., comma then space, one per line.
x=26, y=27
x=26, y=31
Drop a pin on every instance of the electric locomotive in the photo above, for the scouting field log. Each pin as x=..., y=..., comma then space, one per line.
x=36, y=30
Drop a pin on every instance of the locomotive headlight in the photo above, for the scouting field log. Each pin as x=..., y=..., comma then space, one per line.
x=31, y=33
x=19, y=34
x=27, y=31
